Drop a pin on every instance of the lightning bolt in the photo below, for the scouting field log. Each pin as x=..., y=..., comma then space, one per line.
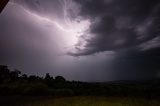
x=65, y=4
x=74, y=29
x=45, y=19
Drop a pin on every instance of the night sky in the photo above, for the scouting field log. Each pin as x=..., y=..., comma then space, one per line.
x=86, y=40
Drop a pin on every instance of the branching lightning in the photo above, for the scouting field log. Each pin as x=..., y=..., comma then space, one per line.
x=74, y=29
x=47, y=19
x=65, y=4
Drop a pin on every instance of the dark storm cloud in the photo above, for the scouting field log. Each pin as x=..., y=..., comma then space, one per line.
x=131, y=28
x=117, y=24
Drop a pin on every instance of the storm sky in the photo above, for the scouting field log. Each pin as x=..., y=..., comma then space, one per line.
x=86, y=40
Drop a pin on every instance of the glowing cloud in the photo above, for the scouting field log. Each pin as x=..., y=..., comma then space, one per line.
x=74, y=29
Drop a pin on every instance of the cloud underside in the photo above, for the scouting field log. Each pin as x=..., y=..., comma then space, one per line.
x=130, y=28
x=118, y=25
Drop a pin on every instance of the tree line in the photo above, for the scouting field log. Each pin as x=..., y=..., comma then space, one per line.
x=16, y=83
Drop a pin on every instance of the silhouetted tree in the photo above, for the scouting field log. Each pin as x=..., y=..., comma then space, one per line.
x=60, y=79
x=14, y=75
x=4, y=73
x=24, y=77
x=49, y=80
x=33, y=78
x=48, y=77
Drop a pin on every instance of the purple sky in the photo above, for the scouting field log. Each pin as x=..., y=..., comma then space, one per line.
x=88, y=40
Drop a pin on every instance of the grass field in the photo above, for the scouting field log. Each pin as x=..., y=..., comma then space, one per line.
x=91, y=101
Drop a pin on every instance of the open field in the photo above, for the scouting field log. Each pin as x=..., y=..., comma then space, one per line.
x=87, y=101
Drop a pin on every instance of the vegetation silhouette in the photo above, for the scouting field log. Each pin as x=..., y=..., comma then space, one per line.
x=16, y=83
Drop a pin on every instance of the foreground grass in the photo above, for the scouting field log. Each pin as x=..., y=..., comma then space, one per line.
x=92, y=101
